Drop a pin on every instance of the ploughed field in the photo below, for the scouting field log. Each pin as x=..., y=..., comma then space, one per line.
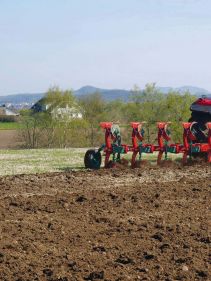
x=120, y=224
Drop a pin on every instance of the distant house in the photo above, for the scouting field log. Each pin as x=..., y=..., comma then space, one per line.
x=66, y=112
x=60, y=113
x=4, y=111
x=40, y=106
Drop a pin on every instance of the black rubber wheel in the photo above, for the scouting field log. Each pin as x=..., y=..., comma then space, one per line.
x=199, y=128
x=92, y=159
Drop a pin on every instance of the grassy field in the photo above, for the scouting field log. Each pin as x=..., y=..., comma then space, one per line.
x=30, y=161
x=10, y=125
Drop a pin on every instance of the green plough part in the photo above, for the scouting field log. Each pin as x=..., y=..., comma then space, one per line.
x=145, y=149
x=195, y=149
x=171, y=149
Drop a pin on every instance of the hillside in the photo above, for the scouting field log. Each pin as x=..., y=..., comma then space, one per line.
x=27, y=99
x=21, y=98
x=109, y=95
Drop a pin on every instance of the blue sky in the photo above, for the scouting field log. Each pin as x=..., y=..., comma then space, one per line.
x=105, y=43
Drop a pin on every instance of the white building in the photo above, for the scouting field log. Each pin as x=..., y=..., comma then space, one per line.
x=64, y=113
x=7, y=112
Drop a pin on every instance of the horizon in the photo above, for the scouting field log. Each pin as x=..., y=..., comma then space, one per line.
x=109, y=89
x=111, y=44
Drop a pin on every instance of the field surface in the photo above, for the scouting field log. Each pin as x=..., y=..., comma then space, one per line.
x=10, y=125
x=111, y=225
x=30, y=161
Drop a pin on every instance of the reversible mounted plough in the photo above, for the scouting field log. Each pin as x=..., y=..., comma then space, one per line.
x=196, y=140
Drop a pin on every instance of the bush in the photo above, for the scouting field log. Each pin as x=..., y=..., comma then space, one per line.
x=9, y=118
x=42, y=130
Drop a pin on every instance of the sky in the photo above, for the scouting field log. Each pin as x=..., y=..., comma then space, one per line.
x=103, y=43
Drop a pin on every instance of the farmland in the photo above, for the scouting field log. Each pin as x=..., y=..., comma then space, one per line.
x=59, y=224
x=31, y=161
x=108, y=182
x=10, y=125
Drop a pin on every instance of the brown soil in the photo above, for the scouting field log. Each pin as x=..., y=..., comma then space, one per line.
x=140, y=224
x=170, y=164
x=9, y=139
x=142, y=164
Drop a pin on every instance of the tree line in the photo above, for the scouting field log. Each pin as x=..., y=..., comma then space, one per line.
x=42, y=129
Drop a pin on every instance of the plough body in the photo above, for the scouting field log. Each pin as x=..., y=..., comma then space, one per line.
x=113, y=147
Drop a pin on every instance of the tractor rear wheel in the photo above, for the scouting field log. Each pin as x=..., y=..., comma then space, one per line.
x=92, y=159
x=199, y=128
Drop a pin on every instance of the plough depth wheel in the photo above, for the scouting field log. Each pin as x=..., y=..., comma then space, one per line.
x=92, y=159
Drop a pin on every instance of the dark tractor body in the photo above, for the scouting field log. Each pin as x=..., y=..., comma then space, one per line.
x=201, y=114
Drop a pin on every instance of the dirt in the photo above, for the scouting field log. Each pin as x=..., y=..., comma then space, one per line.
x=142, y=163
x=10, y=139
x=112, y=225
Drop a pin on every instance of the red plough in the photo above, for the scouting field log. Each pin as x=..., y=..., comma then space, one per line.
x=113, y=148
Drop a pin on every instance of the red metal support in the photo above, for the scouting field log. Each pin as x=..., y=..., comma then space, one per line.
x=187, y=138
x=137, y=136
x=108, y=140
x=209, y=141
x=189, y=142
x=163, y=137
x=138, y=146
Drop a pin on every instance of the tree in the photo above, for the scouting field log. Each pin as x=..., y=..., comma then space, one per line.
x=93, y=107
x=42, y=128
x=148, y=105
x=57, y=98
x=33, y=129
x=176, y=109
x=149, y=94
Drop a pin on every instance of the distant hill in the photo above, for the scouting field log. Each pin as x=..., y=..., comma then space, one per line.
x=193, y=90
x=124, y=95
x=108, y=95
x=27, y=100
x=21, y=98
